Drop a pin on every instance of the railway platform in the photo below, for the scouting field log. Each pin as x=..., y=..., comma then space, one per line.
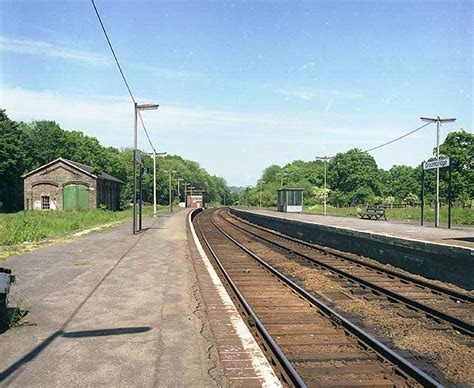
x=441, y=254
x=458, y=235
x=116, y=309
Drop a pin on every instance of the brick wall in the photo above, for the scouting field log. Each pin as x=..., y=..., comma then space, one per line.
x=51, y=181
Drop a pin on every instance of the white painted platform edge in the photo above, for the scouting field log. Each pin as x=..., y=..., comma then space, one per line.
x=259, y=361
x=357, y=230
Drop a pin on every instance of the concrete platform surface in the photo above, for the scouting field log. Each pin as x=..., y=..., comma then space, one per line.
x=462, y=236
x=110, y=308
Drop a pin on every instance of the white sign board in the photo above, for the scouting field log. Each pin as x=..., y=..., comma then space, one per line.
x=436, y=164
x=138, y=157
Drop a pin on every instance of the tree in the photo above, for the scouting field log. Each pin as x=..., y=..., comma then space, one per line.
x=355, y=173
x=12, y=165
x=459, y=147
x=401, y=180
x=411, y=199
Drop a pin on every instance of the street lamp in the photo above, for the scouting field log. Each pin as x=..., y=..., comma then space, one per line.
x=438, y=122
x=170, y=203
x=185, y=194
x=155, y=154
x=136, y=156
x=178, y=180
x=325, y=158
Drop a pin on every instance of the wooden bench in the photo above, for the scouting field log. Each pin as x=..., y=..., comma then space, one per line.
x=374, y=212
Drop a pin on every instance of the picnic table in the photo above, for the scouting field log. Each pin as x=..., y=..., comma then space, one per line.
x=373, y=212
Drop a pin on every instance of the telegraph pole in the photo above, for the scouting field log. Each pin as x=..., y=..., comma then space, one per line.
x=438, y=122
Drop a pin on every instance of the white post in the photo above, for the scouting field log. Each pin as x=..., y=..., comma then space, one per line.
x=154, y=184
x=437, y=175
x=438, y=121
x=325, y=192
x=135, y=143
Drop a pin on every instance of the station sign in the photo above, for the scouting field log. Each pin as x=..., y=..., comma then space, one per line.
x=436, y=164
x=138, y=157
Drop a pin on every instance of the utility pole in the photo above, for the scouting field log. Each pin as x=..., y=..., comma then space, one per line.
x=325, y=158
x=438, y=122
x=261, y=189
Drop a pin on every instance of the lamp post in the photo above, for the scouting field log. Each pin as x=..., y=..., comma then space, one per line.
x=261, y=189
x=325, y=158
x=178, y=180
x=154, y=154
x=136, y=156
x=169, y=199
x=185, y=194
x=438, y=122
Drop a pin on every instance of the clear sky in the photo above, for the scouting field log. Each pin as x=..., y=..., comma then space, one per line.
x=242, y=85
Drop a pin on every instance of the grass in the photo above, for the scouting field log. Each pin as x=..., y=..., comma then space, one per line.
x=458, y=215
x=33, y=226
x=11, y=316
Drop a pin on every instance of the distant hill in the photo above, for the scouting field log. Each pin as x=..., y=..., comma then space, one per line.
x=235, y=189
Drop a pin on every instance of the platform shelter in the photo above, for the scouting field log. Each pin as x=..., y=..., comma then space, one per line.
x=290, y=200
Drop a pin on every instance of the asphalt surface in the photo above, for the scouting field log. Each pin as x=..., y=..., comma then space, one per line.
x=110, y=308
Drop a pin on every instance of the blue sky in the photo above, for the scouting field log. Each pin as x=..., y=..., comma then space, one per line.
x=242, y=85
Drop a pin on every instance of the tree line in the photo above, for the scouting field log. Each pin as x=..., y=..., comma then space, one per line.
x=353, y=178
x=27, y=146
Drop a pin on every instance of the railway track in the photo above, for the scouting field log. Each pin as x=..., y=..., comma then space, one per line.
x=312, y=344
x=445, y=306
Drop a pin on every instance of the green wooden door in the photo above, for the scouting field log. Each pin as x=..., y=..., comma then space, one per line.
x=75, y=197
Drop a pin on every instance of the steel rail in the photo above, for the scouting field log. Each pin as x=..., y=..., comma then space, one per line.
x=386, y=353
x=451, y=293
x=286, y=365
x=457, y=323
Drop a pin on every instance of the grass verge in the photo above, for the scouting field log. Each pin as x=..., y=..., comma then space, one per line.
x=463, y=216
x=27, y=230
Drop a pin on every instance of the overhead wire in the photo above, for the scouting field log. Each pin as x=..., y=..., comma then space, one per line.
x=389, y=142
x=398, y=138
x=141, y=118
x=122, y=73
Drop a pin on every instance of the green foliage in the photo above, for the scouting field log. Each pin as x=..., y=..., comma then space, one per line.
x=25, y=147
x=355, y=173
x=34, y=225
x=459, y=147
x=353, y=178
x=399, y=181
x=13, y=161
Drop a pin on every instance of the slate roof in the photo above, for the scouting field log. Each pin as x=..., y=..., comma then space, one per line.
x=82, y=167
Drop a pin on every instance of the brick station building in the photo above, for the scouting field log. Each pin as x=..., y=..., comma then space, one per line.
x=66, y=185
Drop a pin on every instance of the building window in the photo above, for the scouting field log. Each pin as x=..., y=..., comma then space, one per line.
x=45, y=202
